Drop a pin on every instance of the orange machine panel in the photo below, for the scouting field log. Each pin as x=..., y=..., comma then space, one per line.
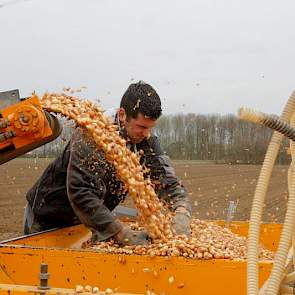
x=26, y=124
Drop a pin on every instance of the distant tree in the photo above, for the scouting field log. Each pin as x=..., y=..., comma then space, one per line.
x=216, y=137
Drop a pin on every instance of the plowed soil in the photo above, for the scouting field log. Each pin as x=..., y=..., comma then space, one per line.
x=211, y=188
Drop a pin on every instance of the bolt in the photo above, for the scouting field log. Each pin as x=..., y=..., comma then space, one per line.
x=44, y=276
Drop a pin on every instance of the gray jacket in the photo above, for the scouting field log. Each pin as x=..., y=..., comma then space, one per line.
x=81, y=186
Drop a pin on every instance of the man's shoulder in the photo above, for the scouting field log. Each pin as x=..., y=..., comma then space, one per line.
x=153, y=139
x=152, y=144
x=84, y=144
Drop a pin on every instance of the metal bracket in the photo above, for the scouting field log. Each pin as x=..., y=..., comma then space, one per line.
x=8, y=98
x=231, y=210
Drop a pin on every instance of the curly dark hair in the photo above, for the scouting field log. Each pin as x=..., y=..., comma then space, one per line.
x=142, y=98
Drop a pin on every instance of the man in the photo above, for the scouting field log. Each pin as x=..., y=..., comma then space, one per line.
x=81, y=186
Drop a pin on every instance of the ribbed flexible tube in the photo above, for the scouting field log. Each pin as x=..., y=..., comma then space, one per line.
x=289, y=270
x=278, y=268
x=269, y=121
x=289, y=131
x=258, y=201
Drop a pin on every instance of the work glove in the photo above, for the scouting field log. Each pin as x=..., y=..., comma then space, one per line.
x=181, y=222
x=127, y=236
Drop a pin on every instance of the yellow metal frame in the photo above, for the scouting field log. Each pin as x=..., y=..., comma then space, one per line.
x=21, y=289
x=20, y=261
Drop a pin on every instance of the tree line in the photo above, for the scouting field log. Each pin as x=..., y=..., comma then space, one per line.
x=220, y=138
x=223, y=138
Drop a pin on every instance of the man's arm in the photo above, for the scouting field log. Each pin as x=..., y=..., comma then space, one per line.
x=86, y=188
x=168, y=187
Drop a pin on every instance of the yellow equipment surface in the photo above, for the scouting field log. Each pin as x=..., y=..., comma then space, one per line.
x=69, y=265
x=25, y=126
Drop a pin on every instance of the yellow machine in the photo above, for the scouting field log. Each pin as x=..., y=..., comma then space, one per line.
x=25, y=126
x=70, y=265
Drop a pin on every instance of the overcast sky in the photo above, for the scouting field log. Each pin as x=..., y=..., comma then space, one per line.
x=201, y=56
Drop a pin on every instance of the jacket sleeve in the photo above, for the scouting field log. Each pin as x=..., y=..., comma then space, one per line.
x=168, y=187
x=86, y=187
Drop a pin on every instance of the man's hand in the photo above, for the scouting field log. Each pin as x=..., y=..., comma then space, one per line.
x=181, y=222
x=127, y=236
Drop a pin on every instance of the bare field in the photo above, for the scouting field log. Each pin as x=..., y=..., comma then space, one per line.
x=210, y=187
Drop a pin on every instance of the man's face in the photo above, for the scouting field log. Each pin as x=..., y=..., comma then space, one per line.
x=138, y=128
